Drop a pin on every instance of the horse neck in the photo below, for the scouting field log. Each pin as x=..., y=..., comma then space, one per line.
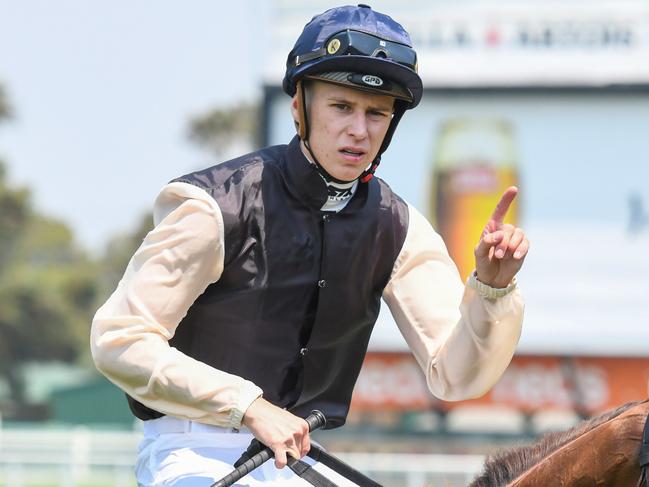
x=514, y=465
x=606, y=454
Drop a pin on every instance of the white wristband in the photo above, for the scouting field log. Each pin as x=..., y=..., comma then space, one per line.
x=487, y=291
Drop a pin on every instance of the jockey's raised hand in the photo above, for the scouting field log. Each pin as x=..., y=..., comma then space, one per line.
x=502, y=248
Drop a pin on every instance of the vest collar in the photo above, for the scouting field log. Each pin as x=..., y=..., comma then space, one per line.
x=303, y=178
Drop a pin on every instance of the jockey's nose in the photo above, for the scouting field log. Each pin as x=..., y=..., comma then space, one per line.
x=357, y=127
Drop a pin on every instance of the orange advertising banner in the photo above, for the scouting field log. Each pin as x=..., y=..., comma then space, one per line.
x=394, y=381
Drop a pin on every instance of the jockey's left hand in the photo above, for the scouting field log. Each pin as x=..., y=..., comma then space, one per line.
x=502, y=248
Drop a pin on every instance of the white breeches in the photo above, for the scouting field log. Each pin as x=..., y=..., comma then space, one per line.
x=180, y=453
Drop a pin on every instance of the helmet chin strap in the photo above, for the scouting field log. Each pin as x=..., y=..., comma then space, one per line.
x=369, y=172
x=399, y=110
x=303, y=133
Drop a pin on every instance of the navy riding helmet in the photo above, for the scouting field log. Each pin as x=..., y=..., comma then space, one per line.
x=357, y=47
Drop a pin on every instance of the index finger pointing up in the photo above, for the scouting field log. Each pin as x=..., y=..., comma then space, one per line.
x=503, y=205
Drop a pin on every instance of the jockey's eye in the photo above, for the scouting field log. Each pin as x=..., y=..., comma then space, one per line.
x=343, y=107
x=378, y=113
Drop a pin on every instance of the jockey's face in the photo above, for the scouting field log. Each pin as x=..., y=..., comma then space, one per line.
x=346, y=127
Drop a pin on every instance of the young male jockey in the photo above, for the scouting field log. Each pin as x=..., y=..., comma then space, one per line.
x=252, y=301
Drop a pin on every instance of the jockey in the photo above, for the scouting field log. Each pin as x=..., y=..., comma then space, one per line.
x=252, y=301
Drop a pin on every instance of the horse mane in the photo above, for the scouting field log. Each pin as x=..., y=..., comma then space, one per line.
x=507, y=465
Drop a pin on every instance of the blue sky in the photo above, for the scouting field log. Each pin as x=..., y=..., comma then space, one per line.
x=102, y=92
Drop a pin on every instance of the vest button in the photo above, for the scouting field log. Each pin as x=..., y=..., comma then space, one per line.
x=326, y=217
x=322, y=283
x=304, y=351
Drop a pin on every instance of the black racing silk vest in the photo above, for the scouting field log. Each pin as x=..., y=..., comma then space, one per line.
x=300, y=291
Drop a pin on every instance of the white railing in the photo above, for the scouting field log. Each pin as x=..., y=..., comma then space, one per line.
x=81, y=457
x=76, y=457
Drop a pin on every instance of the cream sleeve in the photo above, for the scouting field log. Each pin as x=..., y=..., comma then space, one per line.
x=463, y=337
x=176, y=262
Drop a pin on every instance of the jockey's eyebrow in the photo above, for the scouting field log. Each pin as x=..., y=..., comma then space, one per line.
x=380, y=106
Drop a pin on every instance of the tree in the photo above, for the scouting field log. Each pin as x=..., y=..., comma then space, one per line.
x=221, y=129
x=13, y=203
x=48, y=286
x=14, y=211
x=48, y=290
x=5, y=110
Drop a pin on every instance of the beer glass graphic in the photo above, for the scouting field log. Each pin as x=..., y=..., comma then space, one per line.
x=474, y=162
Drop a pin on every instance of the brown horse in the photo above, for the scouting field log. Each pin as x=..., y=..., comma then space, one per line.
x=607, y=450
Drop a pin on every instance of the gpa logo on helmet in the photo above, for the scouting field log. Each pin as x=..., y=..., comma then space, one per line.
x=371, y=80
